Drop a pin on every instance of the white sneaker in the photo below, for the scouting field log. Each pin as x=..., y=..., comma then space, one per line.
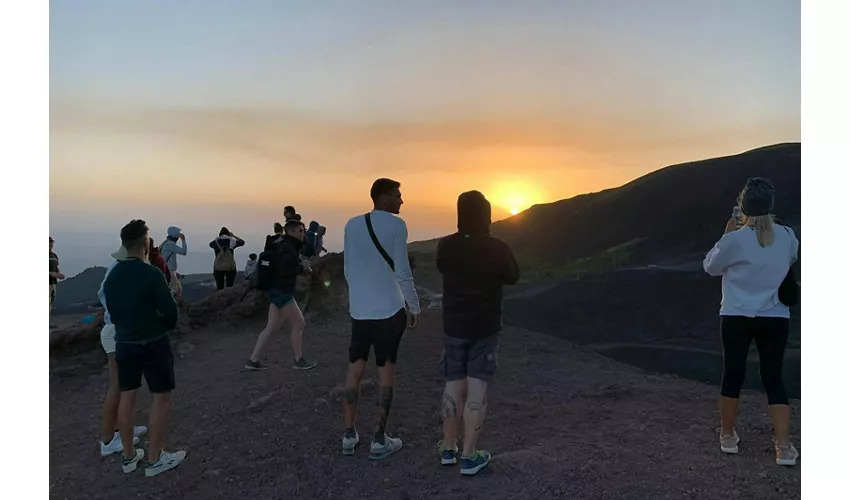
x=378, y=451
x=115, y=446
x=729, y=444
x=349, y=444
x=167, y=461
x=129, y=464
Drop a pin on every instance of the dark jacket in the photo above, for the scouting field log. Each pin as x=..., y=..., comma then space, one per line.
x=287, y=261
x=140, y=303
x=475, y=266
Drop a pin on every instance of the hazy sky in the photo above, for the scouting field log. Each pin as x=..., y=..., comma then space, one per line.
x=203, y=113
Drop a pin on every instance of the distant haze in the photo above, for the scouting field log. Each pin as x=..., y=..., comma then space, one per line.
x=203, y=114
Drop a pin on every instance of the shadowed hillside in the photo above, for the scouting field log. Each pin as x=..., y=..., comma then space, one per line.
x=675, y=212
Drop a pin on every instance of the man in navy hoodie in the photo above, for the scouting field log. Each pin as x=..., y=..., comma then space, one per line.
x=475, y=266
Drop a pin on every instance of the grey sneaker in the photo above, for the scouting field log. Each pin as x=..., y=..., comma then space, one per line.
x=786, y=455
x=167, y=461
x=255, y=366
x=129, y=464
x=378, y=451
x=349, y=443
x=729, y=444
x=303, y=364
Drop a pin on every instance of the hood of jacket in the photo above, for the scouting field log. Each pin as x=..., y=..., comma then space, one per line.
x=473, y=213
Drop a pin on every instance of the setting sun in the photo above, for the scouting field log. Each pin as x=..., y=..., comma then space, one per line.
x=514, y=197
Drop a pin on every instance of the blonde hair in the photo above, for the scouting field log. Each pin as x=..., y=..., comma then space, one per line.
x=763, y=226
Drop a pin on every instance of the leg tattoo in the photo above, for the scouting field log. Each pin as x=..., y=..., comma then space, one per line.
x=384, y=402
x=351, y=395
x=449, y=407
x=482, y=413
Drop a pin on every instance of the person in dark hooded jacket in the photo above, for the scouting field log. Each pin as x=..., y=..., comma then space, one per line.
x=287, y=265
x=475, y=266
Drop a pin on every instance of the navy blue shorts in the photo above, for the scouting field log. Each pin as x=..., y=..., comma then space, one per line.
x=154, y=360
x=279, y=299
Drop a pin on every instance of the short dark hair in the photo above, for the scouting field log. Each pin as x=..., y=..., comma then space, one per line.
x=224, y=231
x=134, y=234
x=289, y=209
x=292, y=224
x=252, y=256
x=278, y=228
x=381, y=187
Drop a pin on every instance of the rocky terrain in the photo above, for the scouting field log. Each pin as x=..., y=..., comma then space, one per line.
x=563, y=421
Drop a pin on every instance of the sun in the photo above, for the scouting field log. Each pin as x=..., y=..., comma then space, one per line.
x=515, y=196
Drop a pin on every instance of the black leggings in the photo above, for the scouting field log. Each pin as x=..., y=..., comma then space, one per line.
x=222, y=276
x=771, y=336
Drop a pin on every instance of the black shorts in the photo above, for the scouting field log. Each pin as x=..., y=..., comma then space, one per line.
x=384, y=334
x=154, y=360
x=469, y=358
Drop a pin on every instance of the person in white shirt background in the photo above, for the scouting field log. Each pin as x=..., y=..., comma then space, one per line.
x=382, y=303
x=110, y=439
x=753, y=261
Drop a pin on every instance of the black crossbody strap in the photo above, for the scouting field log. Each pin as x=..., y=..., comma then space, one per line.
x=377, y=243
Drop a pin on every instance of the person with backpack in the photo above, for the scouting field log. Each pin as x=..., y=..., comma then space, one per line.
x=311, y=249
x=475, y=267
x=156, y=260
x=755, y=263
x=278, y=267
x=320, y=240
x=169, y=251
x=224, y=265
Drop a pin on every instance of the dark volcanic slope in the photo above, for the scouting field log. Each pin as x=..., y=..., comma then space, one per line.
x=562, y=423
x=660, y=320
x=679, y=209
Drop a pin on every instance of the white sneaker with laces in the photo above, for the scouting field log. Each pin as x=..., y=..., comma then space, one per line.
x=378, y=451
x=167, y=461
x=115, y=446
x=350, y=443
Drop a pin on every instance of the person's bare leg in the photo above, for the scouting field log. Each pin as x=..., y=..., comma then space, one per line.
x=352, y=391
x=728, y=414
x=386, y=382
x=160, y=408
x=780, y=416
x=473, y=415
x=109, y=414
x=272, y=325
x=453, y=401
x=291, y=314
x=126, y=416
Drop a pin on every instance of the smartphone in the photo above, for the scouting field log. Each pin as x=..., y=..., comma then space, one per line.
x=738, y=215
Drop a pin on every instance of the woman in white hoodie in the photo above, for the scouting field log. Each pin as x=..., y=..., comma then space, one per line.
x=753, y=262
x=169, y=251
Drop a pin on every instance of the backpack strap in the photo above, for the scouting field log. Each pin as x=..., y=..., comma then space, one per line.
x=377, y=243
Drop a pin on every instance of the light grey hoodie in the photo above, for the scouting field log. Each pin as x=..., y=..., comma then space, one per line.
x=170, y=248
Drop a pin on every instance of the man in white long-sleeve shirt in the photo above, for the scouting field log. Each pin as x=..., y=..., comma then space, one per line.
x=382, y=304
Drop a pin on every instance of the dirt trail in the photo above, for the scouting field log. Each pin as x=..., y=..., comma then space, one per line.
x=563, y=422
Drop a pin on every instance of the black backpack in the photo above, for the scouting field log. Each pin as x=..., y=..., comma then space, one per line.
x=263, y=277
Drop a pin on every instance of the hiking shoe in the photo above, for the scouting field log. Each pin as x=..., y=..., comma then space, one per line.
x=129, y=464
x=729, y=444
x=116, y=446
x=448, y=456
x=349, y=443
x=303, y=364
x=256, y=366
x=786, y=455
x=167, y=461
x=470, y=466
x=378, y=451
